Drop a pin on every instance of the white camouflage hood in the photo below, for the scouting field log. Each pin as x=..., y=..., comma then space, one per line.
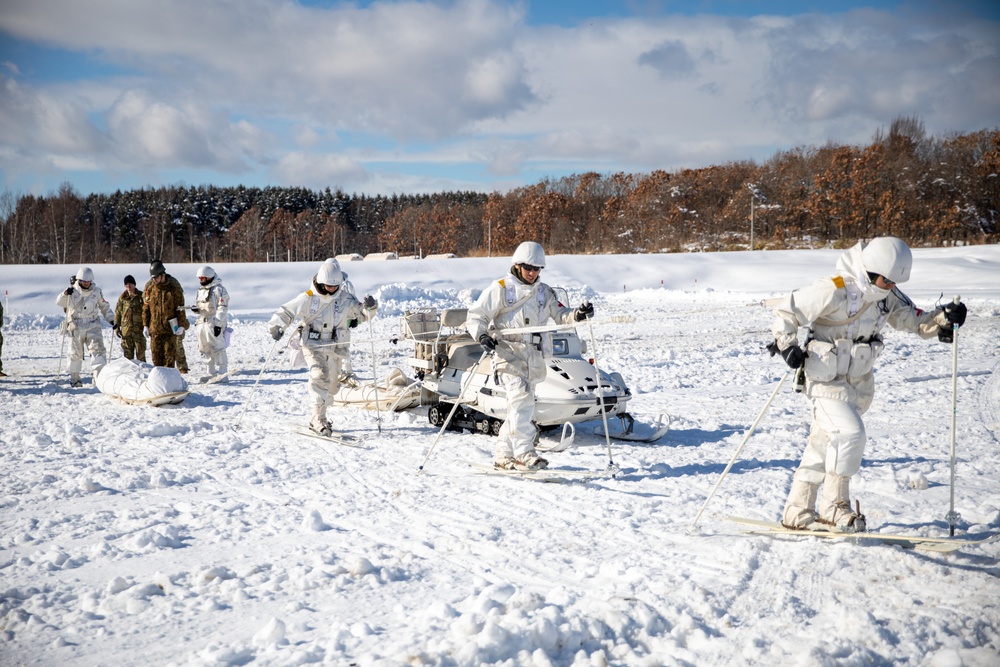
x=850, y=265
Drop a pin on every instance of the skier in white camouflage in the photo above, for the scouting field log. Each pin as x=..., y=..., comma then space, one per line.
x=326, y=312
x=212, y=309
x=518, y=300
x=845, y=314
x=84, y=304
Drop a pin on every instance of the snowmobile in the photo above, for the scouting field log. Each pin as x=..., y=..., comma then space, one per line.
x=445, y=355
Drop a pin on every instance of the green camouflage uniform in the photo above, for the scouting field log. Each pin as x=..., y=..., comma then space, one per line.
x=128, y=321
x=160, y=303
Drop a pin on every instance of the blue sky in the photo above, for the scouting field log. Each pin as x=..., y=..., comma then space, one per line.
x=385, y=97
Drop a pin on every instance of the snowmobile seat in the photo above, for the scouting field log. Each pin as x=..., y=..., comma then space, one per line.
x=454, y=317
x=453, y=325
x=423, y=324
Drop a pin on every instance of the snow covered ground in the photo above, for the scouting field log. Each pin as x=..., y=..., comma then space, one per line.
x=162, y=536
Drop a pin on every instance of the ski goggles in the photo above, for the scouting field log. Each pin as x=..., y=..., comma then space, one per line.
x=529, y=267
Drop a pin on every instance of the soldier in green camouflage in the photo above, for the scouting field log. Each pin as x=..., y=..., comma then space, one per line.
x=163, y=301
x=128, y=321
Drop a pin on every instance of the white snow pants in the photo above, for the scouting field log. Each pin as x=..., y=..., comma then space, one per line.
x=89, y=336
x=517, y=435
x=213, y=348
x=836, y=441
x=324, y=373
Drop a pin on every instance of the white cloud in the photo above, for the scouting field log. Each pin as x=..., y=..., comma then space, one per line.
x=34, y=119
x=317, y=170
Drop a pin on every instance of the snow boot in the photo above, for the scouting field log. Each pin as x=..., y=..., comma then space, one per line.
x=530, y=461
x=321, y=425
x=800, y=507
x=835, y=510
x=505, y=463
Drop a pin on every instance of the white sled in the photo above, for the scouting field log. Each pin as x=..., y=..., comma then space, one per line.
x=626, y=428
x=396, y=393
x=444, y=355
x=138, y=383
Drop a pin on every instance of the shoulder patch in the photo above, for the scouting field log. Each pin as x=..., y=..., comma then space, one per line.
x=502, y=283
x=838, y=281
x=309, y=292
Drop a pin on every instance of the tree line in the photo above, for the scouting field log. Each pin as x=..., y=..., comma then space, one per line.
x=927, y=190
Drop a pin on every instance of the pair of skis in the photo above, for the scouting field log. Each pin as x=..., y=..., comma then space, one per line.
x=919, y=542
x=336, y=437
x=555, y=475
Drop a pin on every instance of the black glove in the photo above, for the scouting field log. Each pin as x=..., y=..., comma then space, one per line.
x=955, y=313
x=370, y=303
x=195, y=309
x=793, y=354
x=585, y=310
x=117, y=329
x=217, y=331
x=69, y=290
x=277, y=332
x=946, y=334
x=489, y=344
x=353, y=324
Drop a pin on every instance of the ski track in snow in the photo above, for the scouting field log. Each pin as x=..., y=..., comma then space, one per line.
x=140, y=535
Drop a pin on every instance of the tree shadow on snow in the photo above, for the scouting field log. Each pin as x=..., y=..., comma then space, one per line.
x=197, y=400
x=666, y=471
x=696, y=436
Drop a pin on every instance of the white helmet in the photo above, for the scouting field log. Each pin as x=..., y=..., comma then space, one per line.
x=529, y=253
x=85, y=274
x=889, y=257
x=206, y=272
x=330, y=273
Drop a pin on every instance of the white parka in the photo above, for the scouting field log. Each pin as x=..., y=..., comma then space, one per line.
x=510, y=303
x=84, y=308
x=843, y=346
x=213, y=311
x=327, y=316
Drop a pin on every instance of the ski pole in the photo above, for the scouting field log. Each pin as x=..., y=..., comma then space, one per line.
x=378, y=410
x=953, y=517
x=263, y=368
x=461, y=392
x=600, y=396
x=62, y=348
x=746, y=438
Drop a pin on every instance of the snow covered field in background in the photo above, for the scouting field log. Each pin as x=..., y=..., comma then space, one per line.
x=155, y=536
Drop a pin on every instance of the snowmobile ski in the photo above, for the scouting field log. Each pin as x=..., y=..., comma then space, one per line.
x=636, y=432
x=936, y=544
x=336, y=437
x=556, y=475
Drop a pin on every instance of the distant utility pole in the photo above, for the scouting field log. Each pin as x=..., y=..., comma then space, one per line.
x=753, y=198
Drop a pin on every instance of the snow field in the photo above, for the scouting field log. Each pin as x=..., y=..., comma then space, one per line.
x=135, y=535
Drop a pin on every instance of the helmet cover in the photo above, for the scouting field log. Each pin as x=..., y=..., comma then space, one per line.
x=530, y=253
x=330, y=273
x=889, y=257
